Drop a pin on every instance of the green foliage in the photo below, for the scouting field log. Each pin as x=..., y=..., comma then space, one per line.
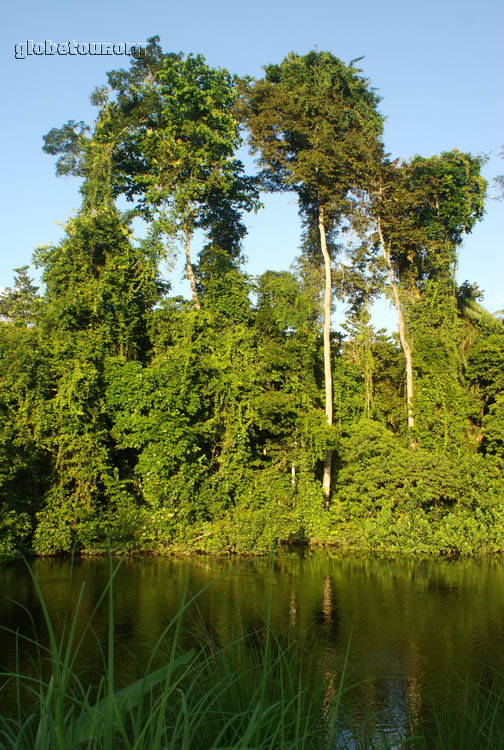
x=425, y=207
x=21, y=304
x=159, y=424
x=24, y=465
x=181, y=153
x=444, y=407
x=97, y=280
x=314, y=121
x=71, y=141
x=484, y=362
x=493, y=427
x=392, y=497
x=153, y=410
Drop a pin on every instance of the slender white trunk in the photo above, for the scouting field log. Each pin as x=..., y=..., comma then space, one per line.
x=402, y=330
x=326, y=482
x=189, y=270
x=293, y=476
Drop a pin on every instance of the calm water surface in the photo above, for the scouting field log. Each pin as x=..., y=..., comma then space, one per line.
x=412, y=626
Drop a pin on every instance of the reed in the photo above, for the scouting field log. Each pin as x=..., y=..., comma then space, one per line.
x=258, y=691
x=475, y=722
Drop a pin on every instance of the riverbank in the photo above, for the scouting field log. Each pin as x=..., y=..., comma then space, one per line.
x=384, y=524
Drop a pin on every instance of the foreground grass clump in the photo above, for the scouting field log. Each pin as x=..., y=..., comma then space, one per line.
x=477, y=722
x=256, y=692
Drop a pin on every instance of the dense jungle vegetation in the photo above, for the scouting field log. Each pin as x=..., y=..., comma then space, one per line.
x=239, y=420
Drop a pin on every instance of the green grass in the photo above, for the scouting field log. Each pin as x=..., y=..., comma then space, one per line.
x=477, y=721
x=257, y=692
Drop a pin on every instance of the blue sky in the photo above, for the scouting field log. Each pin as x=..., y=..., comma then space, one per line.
x=438, y=67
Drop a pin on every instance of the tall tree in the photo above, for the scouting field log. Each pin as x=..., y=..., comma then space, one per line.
x=174, y=134
x=184, y=160
x=315, y=123
x=423, y=208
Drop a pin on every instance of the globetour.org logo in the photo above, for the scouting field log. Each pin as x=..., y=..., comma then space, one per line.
x=22, y=50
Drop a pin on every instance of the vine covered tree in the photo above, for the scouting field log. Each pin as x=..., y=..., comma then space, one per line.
x=423, y=209
x=173, y=132
x=314, y=121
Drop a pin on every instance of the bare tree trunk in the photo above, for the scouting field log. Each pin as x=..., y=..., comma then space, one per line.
x=189, y=270
x=326, y=482
x=402, y=331
x=368, y=384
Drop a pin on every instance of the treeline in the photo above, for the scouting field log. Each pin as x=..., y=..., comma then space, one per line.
x=240, y=420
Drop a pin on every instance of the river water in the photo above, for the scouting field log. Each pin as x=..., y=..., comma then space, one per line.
x=412, y=628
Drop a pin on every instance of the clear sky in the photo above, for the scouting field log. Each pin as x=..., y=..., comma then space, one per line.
x=438, y=66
